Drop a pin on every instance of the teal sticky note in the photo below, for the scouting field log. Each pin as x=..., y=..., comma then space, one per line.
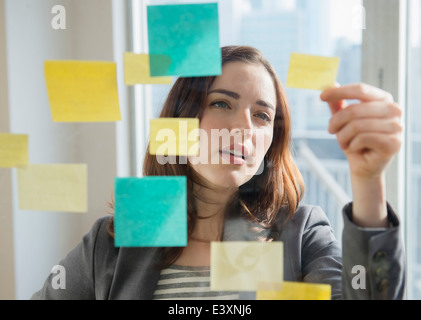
x=184, y=40
x=150, y=212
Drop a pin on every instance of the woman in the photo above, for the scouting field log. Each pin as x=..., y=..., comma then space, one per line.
x=233, y=200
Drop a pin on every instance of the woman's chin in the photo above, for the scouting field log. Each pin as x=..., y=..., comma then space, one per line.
x=229, y=179
x=224, y=176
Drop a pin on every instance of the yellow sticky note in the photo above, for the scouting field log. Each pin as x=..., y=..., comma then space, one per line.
x=55, y=187
x=296, y=291
x=82, y=91
x=312, y=72
x=137, y=70
x=241, y=266
x=13, y=150
x=174, y=137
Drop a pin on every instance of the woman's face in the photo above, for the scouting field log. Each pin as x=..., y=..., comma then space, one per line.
x=237, y=125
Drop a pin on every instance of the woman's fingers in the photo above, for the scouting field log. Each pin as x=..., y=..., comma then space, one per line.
x=369, y=131
x=384, y=145
x=357, y=127
x=336, y=106
x=361, y=91
x=370, y=153
x=369, y=110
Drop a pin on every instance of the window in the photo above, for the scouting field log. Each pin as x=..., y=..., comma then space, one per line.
x=278, y=28
x=414, y=152
x=331, y=28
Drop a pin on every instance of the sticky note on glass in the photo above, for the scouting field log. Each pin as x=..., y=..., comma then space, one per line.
x=312, y=72
x=296, y=291
x=82, y=91
x=184, y=40
x=13, y=150
x=137, y=70
x=53, y=187
x=241, y=266
x=150, y=212
x=174, y=137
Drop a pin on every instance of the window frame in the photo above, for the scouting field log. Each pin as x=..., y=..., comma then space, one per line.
x=387, y=24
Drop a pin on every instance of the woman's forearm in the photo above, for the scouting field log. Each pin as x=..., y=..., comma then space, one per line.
x=369, y=209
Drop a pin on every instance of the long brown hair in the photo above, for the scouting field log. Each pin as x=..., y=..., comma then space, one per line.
x=266, y=198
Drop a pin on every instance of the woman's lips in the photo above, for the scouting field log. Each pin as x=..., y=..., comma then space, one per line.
x=228, y=158
x=236, y=154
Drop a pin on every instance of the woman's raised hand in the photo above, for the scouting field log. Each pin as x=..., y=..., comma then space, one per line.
x=370, y=134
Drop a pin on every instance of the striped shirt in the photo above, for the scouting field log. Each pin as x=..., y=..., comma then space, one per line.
x=188, y=283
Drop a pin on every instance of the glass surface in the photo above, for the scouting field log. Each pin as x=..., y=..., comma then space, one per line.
x=278, y=28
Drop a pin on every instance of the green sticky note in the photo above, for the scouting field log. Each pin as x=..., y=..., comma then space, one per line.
x=184, y=40
x=150, y=212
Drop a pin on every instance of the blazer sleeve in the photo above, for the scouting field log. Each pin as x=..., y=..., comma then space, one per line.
x=78, y=271
x=373, y=260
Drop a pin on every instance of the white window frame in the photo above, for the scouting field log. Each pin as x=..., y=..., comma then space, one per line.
x=385, y=65
x=130, y=25
x=126, y=140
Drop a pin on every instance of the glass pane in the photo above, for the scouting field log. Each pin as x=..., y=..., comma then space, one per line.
x=414, y=143
x=278, y=28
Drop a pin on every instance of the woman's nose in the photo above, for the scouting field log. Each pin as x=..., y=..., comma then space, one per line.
x=243, y=123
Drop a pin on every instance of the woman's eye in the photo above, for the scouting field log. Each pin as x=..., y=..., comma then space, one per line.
x=264, y=117
x=220, y=105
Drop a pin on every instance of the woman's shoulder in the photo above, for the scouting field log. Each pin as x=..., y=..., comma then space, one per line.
x=309, y=215
x=100, y=233
x=101, y=225
x=307, y=208
x=102, y=222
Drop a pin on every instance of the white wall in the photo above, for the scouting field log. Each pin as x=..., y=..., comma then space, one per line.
x=7, y=287
x=41, y=239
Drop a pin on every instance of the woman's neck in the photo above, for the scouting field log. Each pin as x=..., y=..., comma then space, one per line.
x=211, y=204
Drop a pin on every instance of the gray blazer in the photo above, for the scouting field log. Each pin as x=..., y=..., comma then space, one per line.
x=95, y=269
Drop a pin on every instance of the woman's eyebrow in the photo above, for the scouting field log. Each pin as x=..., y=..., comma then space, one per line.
x=226, y=92
x=237, y=96
x=265, y=104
